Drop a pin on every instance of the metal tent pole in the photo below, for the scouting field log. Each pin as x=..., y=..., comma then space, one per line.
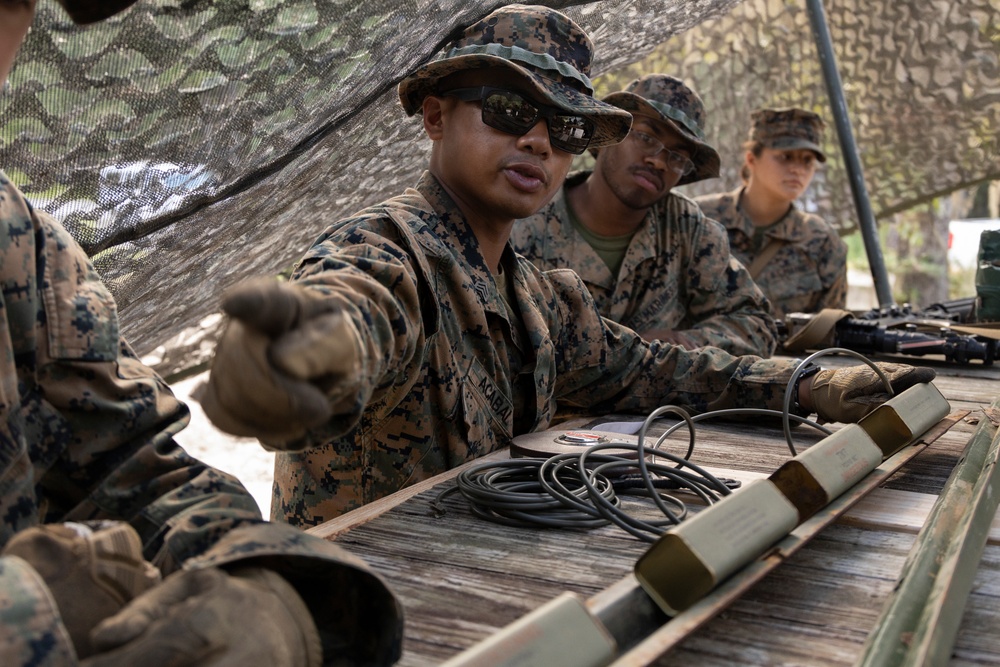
x=835, y=91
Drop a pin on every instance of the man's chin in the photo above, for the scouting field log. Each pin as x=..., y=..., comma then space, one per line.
x=642, y=199
x=526, y=209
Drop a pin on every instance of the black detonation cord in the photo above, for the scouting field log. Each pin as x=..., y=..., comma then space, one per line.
x=582, y=490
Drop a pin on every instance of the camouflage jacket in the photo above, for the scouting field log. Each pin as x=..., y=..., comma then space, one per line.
x=808, y=273
x=86, y=434
x=448, y=375
x=677, y=274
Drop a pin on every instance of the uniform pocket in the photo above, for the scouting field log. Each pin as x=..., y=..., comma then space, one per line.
x=81, y=315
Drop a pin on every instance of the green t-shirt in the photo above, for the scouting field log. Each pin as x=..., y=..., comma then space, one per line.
x=611, y=249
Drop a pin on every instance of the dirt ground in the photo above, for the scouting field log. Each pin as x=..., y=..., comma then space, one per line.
x=242, y=457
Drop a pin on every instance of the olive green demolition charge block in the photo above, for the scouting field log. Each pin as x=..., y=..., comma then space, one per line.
x=690, y=559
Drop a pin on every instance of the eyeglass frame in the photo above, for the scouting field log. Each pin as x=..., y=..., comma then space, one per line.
x=676, y=162
x=542, y=112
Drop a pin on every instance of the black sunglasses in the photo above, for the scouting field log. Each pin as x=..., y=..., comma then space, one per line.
x=512, y=113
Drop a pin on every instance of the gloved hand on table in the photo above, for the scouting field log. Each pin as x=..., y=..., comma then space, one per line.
x=211, y=617
x=848, y=394
x=279, y=362
x=92, y=570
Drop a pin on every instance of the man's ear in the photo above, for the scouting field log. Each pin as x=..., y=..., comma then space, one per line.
x=434, y=114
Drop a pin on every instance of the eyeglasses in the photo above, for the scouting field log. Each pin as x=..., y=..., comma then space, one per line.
x=651, y=147
x=509, y=112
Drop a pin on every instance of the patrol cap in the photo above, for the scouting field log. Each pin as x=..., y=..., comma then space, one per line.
x=92, y=11
x=668, y=99
x=545, y=47
x=788, y=128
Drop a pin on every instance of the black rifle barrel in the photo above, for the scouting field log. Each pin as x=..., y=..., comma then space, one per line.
x=868, y=337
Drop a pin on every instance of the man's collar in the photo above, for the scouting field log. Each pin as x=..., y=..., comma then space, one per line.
x=452, y=229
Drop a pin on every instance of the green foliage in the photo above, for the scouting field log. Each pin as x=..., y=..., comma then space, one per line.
x=857, y=256
x=961, y=282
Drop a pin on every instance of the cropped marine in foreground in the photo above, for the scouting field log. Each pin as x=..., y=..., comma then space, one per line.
x=117, y=548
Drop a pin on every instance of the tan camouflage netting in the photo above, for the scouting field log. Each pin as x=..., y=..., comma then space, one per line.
x=190, y=144
x=921, y=80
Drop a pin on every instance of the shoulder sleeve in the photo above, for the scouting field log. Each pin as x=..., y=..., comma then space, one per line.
x=605, y=367
x=725, y=308
x=378, y=270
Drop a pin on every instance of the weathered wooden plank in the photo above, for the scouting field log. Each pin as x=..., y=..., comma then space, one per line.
x=976, y=643
x=919, y=625
x=461, y=579
x=463, y=583
x=816, y=609
x=905, y=511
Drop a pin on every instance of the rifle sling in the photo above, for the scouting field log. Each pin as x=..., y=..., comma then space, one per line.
x=817, y=333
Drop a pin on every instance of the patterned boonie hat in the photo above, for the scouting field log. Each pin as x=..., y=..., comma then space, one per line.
x=788, y=128
x=92, y=11
x=669, y=100
x=549, y=50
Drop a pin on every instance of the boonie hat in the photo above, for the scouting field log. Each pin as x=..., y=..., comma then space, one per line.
x=788, y=128
x=668, y=99
x=550, y=51
x=92, y=11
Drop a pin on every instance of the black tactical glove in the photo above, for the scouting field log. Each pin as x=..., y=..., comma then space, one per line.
x=848, y=394
x=208, y=617
x=285, y=359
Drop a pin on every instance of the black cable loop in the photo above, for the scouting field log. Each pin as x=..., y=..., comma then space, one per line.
x=641, y=447
x=498, y=494
x=579, y=490
x=551, y=482
x=645, y=530
x=804, y=365
x=583, y=490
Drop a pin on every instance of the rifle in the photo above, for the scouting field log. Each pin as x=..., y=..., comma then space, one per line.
x=939, y=330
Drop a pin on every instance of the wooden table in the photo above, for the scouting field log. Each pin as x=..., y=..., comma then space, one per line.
x=461, y=579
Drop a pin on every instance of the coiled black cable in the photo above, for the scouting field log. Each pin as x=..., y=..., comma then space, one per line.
x=583, y=490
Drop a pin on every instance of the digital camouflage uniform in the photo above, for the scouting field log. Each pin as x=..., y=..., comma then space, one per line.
x=86, y=434
x=449, y=374
x=809, y=271
x=677, y=274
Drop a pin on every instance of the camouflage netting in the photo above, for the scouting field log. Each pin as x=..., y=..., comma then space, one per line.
x=921, y=81
x=189, y=144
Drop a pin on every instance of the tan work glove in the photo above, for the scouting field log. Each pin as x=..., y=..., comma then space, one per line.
x=279, y=362
x=197, y=618
x=848, y=394
x=91, y=570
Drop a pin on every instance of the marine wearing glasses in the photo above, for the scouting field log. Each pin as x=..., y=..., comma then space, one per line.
x=651, y=147
x=511, y=112
x=646, y=254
